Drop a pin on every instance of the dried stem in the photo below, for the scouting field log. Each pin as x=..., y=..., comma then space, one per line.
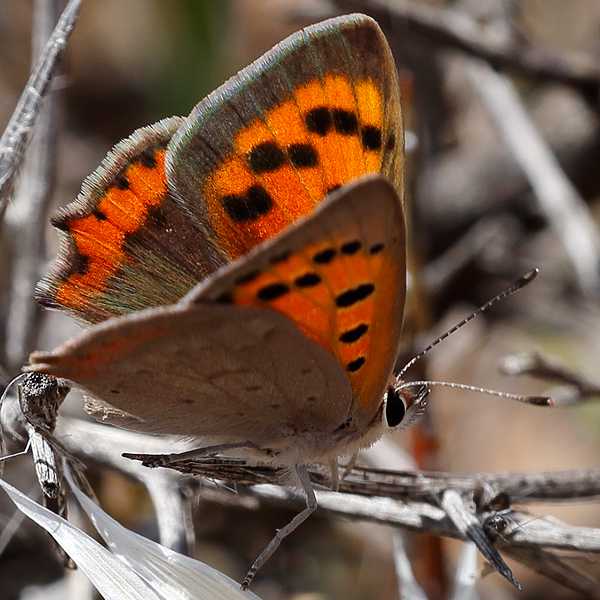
x=557, y=197
x=16, y=135
x=405, y=499
x=452, y=29
x=29, y=210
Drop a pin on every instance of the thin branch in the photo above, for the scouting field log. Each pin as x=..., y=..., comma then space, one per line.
x=407, y=584
x=451, y=29
x=28, y=218
x=540, y=486
x=16, y=136
x=564, y=208
x=580, y=387
x=470, y=527
x=552, y=566
x=405, y=499
x=418, y=487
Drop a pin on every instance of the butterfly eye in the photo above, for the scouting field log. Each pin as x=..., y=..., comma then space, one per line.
x=395, y=408
x=403, y=407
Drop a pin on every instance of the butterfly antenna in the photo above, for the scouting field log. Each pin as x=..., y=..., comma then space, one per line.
x=536, y=400
x=511, y=289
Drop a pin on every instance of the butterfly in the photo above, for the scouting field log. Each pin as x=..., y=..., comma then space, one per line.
x=243, y=270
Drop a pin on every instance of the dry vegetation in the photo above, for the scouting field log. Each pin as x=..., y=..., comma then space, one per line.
x=501, y=99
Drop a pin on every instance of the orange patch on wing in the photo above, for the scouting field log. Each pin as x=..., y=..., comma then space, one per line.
x=311, y=319
x=347, y=320
x=287, y=124
x=248, y=204
x=99, y=236
x=366, y=379
x=234, y=180
x=349, y=155
x=370, y=110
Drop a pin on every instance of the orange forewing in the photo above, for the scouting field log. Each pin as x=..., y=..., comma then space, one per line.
x=296, y=160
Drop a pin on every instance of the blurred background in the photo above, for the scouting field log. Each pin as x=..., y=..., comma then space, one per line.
x=480, y=216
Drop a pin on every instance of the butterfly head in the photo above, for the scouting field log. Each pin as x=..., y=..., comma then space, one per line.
x=403, y=405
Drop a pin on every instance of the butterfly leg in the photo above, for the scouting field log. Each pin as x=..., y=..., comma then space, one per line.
x=311, y=506
x=350, y=465
x=335, y=475
x=162, y=460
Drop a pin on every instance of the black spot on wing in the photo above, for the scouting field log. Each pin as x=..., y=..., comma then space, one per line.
x=344, y=121
x=98, y=214
x=303, y=156
x=266, y=157
x=79, y=264
x=307, y=280
x=247, y=277
x=370, y=137
x=60, y=224
x=351, y=248
x=353, y=335
x=354, y=295
x=272, y=292
x=355, y=365
x=324, y=256
x=147, y=158
x=246, y=207
x=121, y=182
x=319, y=120
x=376, y=248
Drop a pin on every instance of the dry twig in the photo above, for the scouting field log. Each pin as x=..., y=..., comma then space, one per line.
x=27, y=220
x=409, y=500
x=16, y=135
x=451, y=29
x=578, y=387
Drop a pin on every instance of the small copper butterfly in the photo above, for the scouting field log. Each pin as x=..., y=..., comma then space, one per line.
x=243, y=270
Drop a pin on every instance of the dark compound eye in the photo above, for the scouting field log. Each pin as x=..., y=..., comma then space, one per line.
x=395, y=408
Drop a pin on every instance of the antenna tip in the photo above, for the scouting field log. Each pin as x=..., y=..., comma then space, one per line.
x=522, y=281
x=527, y=278
x=539, y=400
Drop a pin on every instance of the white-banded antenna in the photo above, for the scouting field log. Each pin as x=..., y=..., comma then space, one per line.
x=511, y=289
x=537, y=400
